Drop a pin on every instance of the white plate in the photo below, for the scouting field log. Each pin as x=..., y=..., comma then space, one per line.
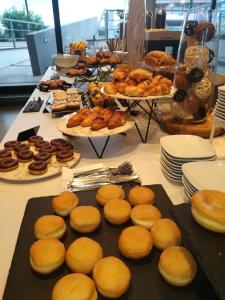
x=176, y=181
x=206, y=175
x=221, y=88
x=87, y=132
x=187, y=195
x=172, y=176
x=121, y=96
x=54, y=168
x=220, y=107
x=221, y=120
x=187, y=146
x=188, y=187
x=191, y=187
x=170, y=165
x=220, y=114
x=171, y=171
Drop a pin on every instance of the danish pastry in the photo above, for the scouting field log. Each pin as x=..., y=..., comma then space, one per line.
x=203, y=88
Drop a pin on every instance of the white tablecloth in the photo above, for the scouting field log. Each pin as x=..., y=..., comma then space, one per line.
x=14, y=196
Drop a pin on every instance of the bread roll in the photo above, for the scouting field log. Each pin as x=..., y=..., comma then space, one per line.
x=145, y=215
x=166, y=233
x=85, y=219
x=177, y=266
x=83, y=254
x=135, y=242
x=49, y=226
x=112, y=277
x=117, y=211
x=47, y=255
x=109, y=192
x=64, y=203
x=141, y=195
x=74, y=287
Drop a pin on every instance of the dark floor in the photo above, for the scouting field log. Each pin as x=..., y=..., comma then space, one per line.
x=8, y=113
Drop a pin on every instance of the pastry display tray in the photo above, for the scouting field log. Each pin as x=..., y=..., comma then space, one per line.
x=146, y=282
x=207, y=246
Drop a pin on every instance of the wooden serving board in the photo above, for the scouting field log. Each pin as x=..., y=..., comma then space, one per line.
x=146, y=281
x=173, y=126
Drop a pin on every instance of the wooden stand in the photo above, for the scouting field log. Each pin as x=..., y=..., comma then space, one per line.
x=173, y=126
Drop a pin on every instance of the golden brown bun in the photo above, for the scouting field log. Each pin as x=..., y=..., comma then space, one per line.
x=117, y=211
x=47, y=255
x=74, y=287
x=135, y=242
x=49, y=226
x=112, y=277
x=177, y=266
x=140, y=74
x=208, y=209
x=64, y=203
x=83, y=254
x=166, y=233
x=141, y=195
x=109, y=192
x=145, y=215
x=85, y=219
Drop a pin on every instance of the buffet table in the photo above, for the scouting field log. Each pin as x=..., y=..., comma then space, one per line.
x=14, y=195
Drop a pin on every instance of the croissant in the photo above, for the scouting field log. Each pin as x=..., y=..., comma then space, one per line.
x=110, y=89
x=99, y=123
x=74, y=121
x=133, y=91
x=106, y=113
x=119, y=74
x=140, y=74
x=89, y=120
x=120, y=87
x=117, y=119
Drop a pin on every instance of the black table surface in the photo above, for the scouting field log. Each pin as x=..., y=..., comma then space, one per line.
x=146, y=282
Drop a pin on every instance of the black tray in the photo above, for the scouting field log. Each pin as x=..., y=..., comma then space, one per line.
x=207, y=246
x=146, y=283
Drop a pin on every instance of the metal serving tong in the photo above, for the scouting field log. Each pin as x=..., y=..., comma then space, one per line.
x=102, y=175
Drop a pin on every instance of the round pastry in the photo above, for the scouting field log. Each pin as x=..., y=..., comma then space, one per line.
x=181, y=81
x=45, y=156
x=135, y=242
x=47, y=255
x=39, y=144
x=35, y=138
x=50, y=149
x=190, y=105
x=177, y=266
x=145, y=215
x=64, y=203
x=85, y=219
x=10, y=145
x=166, y=233
x=21, y=147
x=8, y=164
x=65, y=146
x=117, y=211
x=208, y=209
x=74, y=286
x=141, y=195
x=57, y=142
x=38, y=167
x=201, y=113
x=204, y=31
x=180, y=96
x=64, y=155
x=203, y=89
x=25, y=155
x=190, y=27
x=83, y=254
x=5, y=154
x=108, y=192
x=196, y=75
x=49, y=226
x=197, y=55
x=112, y=277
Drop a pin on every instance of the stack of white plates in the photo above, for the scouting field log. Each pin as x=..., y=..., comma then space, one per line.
x=219, y=110
x=203, y=175
x=179, y=149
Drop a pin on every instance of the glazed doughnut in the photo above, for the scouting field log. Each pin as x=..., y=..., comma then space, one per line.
x=65, y=146
x=50, y=149
x=165, y=233
x=208, y=209
x=64, y=155
x=57, y=142
x=141, y=195
x=25, y=155
x=39, y=144
x=74, y=286
x=64, y=203
x=135, y=242
x=5, y=154
x=8, y=164
x=20, y=147
x=204, y=30
x=177, y=266
x=38, y=167
x=34, y=138
x=43, y=156
x=10, y=145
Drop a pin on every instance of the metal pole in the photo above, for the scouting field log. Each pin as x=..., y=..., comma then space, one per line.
x=13, y=36
x=26, y=5
x=58, y=32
